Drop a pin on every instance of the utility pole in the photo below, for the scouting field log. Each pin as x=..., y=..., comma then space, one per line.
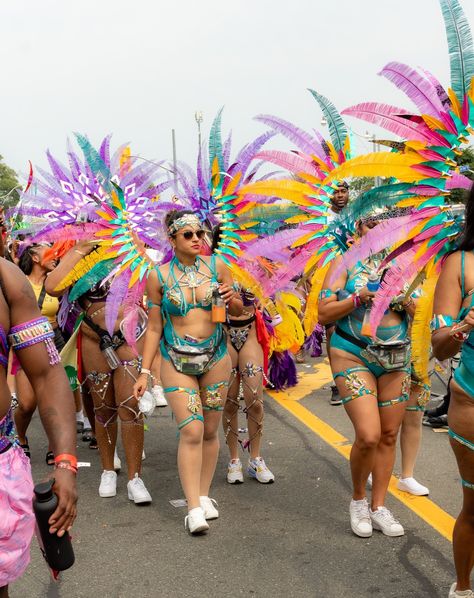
x=198, y=116
x=175, y=174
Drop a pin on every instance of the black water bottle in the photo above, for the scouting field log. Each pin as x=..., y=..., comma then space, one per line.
x=57, y=551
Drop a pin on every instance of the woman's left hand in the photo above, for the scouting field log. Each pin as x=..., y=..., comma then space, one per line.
x=227, y=293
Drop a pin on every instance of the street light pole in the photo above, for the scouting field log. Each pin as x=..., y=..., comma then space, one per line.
x=198, y=117
x=173, y=140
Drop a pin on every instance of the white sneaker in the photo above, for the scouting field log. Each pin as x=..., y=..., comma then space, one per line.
x=208, y=505
x=108, y=484
x=465, y=593
x=384, y=521
x=258, y=470
x=195, y=522
x=117, y=462
x=234, y=472
x=361, y=523
x=137, y=491
x=159, y=396
x=412, y=486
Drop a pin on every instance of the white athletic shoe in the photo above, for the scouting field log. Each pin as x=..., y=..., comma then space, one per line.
x=195, y=522
x=108, y=484
x=159, y=396
x=234, y=472
x=412, y=486
x=117, y=462
x=465, y=593
x=258, y=470
x=361, y=523
x=208, y=505
x=384, y=521
x=137, y=491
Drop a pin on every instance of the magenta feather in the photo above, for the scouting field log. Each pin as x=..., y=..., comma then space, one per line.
x=465, y=111
x=390, y=118
x=417, y=88
x=383, y=235
x=458, y=181
x=290, y=161
x=118, y=291
x=131, y=305
x=400, y=274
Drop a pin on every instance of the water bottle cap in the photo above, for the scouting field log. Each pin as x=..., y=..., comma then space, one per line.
x=44, y=491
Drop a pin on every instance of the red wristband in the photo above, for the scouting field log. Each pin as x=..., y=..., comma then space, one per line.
x=71, y=459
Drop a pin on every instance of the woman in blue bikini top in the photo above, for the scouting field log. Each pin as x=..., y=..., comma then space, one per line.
x=374, y=396
x=195, y=364
x=453, y=330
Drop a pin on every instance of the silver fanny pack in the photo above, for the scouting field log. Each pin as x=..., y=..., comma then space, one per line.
x=193, y=361
x=392, y=355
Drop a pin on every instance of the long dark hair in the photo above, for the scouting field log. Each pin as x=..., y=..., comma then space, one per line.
x=26, y=262
x=216, y=236
x=467, y=239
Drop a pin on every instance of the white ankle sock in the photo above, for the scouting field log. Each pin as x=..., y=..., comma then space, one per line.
x=87, y=423
x=80, y=416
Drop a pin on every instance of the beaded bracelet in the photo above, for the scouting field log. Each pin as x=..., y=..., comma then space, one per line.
x=65, y=457
x=34, y=332
x=65, y=465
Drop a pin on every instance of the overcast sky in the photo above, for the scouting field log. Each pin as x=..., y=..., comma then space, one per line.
x=138, y=69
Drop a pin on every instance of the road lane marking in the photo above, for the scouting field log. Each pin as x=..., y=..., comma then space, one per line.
x=425, y=508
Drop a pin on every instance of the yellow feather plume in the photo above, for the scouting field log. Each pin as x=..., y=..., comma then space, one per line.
x=455, y=102
x=379, y=164
x=420, y=330
x=82, y=267
x=311, y=313
x=286, y=189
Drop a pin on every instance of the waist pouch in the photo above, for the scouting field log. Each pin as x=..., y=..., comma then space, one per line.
x=392, y=355
x=190, y=360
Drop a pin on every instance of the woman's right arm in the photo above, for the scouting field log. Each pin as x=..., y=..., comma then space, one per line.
x=153, y=332
x=447, y=304
x=329, y=308
x=67, y=263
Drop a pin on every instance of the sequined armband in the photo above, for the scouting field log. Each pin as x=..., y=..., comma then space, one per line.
x=441, y=321
x=34, y=332
x=325, y=294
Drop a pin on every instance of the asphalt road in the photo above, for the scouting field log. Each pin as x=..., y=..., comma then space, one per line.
x=289, y=539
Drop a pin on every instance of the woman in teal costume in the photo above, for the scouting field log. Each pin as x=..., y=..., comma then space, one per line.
x=195, y=365
x=453, y=329
x=374, y=397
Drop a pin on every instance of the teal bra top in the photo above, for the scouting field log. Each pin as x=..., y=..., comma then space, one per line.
x=174, y=302
x=464, y=373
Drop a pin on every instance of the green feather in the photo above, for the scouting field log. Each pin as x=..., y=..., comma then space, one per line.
x=95, y=275
x=461, y=48
x=95, y=162
x=378, y=197
x=215, y=142
x=337, y=127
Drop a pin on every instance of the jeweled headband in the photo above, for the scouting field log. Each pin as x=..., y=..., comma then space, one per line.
x=186, y=220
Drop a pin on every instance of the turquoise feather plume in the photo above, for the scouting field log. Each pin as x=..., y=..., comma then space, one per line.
x=95, y=162
x=378, y=197
x=215, y=142
x=461, y=48
x=337, y=128
x=95, y=275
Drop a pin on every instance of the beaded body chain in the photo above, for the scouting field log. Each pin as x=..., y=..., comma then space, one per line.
x=34, y=332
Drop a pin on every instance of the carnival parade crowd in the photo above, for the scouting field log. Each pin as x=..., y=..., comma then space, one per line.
x=124, y=288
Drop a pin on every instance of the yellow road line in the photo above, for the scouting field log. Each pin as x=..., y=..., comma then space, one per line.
x=425, y=508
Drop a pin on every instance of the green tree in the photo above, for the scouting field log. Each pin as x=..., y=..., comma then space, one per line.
x=9, y=186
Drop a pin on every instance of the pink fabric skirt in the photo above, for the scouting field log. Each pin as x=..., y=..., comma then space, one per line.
x=17, y=521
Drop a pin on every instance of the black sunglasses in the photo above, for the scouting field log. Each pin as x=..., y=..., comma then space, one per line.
x=189, y=234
